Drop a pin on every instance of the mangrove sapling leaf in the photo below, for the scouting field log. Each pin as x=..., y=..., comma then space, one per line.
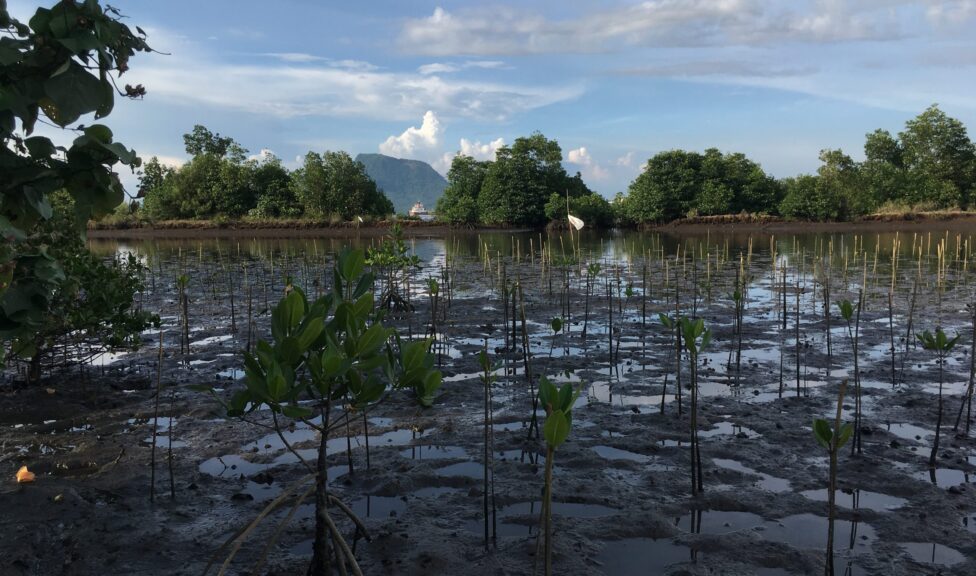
x=558, y=403
x=697, y=337
x=942, y=345
x=337, y=353
x=832, y=438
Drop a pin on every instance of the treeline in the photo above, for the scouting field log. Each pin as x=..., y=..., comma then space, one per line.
x=930, y=165
x=220, y=181
x=526, y=185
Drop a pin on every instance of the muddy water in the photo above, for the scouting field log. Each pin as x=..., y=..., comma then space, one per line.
x=622, y=502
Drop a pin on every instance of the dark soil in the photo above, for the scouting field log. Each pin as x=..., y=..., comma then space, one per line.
x=622, y=485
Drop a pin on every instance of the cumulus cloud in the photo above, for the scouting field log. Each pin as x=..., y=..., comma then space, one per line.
x=414, y=140
x=625, y=161
x=579, y=156
x=475, y=149
x=590, y=168
x=263, y=156
x=651, y=23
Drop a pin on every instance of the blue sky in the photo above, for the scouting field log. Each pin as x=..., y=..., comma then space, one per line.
x=613, y=82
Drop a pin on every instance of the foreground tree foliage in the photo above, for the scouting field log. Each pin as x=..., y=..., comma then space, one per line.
x=59, y=66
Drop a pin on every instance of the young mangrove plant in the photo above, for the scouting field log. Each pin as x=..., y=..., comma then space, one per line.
x=696, y=337
x=558, y=404
x=488, y=497
x=967, y=401
x=852, y=316
x=832, y=439
x=941, y=345
x=592, y=271
x=674, y=338
x=326, y=361
x=393, y=262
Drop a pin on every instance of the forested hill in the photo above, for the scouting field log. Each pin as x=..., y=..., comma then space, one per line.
x=404, y=181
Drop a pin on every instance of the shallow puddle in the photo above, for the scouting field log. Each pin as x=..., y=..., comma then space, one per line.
x=766, y=482
x=931, y=553
x=641, y=556
x=857, y=499
x=433, y=452
x=810, y=531
x=716, y=521
x=946, y=477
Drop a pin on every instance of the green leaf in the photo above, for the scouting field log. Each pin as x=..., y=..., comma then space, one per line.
x=71, y=94
x=295, y=411
x=556, y=324
x=822, y=432
x=310, y=333
x=556, y=429
x=372, y=339
x=845, y=434
x=351, y=264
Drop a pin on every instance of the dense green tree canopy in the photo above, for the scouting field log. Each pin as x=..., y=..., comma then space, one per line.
x=333, y=184
x=459, y=203
x=676, y=183
x=221, y=182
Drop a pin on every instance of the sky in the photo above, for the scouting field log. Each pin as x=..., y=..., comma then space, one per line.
x=613, y=82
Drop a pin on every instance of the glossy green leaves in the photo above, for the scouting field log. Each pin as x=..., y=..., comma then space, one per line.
x=335, y=348
x=825, y=434
x=558, y=403
x=937, y=342
x=696, y=336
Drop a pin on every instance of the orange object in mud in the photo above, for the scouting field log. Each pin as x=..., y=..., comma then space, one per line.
x=24, y=475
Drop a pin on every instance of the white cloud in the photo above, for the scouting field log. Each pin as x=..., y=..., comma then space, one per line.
x=444, y=68
x=169, y=161
x=309, y=87
x=480, y=151
x=413, y=139
x=262, y=156
x=625, y=161
x=590, y=168
x=951, y=14
x=579, y=156
x=437, y=68
x=474, y=149
x=650, y=23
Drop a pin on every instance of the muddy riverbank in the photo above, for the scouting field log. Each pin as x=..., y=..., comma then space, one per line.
x=622, y=484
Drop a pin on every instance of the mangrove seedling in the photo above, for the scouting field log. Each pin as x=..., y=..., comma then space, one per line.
x=332, y=353
x=556, y=324
x=697, y=337
x=592, y=271
x=832, y=439
x=393, y=262
x=941, y=345
x=671, y=326
x=487, y=379
x=558, y=404
x=852, y=316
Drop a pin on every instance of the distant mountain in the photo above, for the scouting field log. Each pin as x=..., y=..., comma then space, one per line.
x=405, y=181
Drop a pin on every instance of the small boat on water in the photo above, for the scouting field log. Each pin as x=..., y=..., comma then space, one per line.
x=419, y=211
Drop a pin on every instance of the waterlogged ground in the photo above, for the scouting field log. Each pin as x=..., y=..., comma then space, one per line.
x=622, y=483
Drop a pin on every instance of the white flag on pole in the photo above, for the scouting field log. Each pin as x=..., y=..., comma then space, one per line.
x=575, y=222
